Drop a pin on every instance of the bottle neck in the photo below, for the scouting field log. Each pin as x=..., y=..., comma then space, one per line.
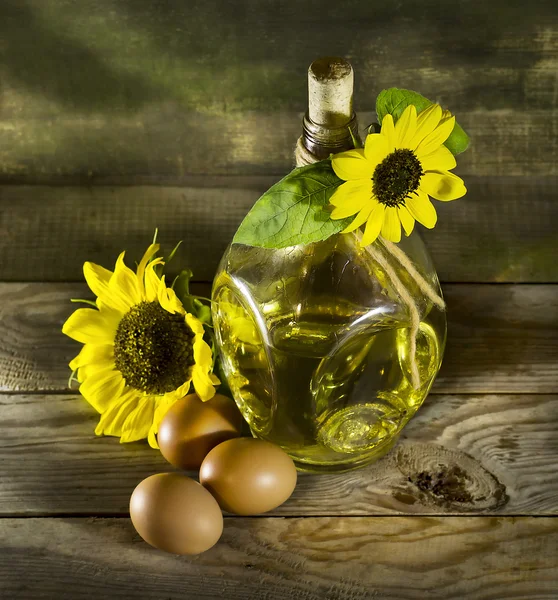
x=330, y=124
x=321, y=140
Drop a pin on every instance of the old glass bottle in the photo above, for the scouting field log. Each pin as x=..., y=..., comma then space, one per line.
x=329, y=348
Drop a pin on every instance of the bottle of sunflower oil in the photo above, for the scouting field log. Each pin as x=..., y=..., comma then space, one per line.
x=329, y=348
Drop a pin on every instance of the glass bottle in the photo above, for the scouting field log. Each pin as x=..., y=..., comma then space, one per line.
x=329, y=348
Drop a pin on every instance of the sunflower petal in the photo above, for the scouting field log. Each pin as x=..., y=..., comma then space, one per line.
x=427, y=121
x=373, y=225
x=125, y=281
x=388, y=130
x=149, y=253
x=181, y=391
x=163, y=405
x=446, y=114
x=351, y=190
x=177, y=306
x=352, y=206
x=100, y=368
x=442, y=185
x=361, y=218
x=391, y=227
x=194, y=324
x=376, y=147
x=422, y=209
x=90, y=326
x=138, y=422
x=202, y=383
x=113, y=418
x=151, y=280
x=103, y=389
x=435, y=139
x=92, y=353
x=101, y=274
x=202, y=353
x=405, y=127
x=168, y=299
x=98, y=279
x=352, y=165
x=439, y=160
x=406, y=219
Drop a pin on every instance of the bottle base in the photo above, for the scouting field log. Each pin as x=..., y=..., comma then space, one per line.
x=312, y=465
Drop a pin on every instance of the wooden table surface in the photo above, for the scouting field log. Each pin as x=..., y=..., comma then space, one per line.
x=119, y=116
x=463, y=507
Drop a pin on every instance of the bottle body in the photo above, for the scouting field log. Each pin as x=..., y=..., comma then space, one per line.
x=317, y=344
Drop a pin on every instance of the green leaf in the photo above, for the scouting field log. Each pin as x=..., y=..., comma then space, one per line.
x=293, y=211
x=394, y=101
x=204, y=313
x=458, y=140
x=181, y=286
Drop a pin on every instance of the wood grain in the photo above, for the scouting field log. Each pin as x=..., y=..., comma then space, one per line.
x=286, y=559
x=167, y=88
x=459, y=455
x=502, y=231
x=501, y=338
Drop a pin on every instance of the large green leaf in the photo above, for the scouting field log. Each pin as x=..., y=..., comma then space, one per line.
x=394, y=101
x=293, y=211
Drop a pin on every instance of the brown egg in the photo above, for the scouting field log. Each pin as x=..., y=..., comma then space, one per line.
x=175, y=513
x=191, y=428
x=248, y=476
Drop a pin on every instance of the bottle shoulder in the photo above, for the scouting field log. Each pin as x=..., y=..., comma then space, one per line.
x=335, y=281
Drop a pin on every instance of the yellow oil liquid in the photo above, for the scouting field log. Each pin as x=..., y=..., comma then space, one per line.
x=333, y=393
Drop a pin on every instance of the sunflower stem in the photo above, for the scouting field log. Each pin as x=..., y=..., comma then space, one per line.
x=202, y=298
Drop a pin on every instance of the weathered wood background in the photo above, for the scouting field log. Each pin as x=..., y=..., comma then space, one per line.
x=119, y=116
x=172, y=94
x=107, y=89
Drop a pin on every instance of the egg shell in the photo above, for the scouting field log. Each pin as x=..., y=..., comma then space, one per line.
x=175, y=513
x=248, y=476
x=191, y=428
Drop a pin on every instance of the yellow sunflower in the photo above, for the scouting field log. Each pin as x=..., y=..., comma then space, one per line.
x=142, y=350
x=388, y=183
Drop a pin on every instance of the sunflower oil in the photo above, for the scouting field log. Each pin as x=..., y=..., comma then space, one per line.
x=316, y=347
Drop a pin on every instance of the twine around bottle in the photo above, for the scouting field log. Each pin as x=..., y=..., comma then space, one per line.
x=303, y=157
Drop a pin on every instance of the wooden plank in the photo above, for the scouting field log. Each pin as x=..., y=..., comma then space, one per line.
x=501, y=338
x=503, y=230
x=460, y=455
x=168, y=88
x=286, y=559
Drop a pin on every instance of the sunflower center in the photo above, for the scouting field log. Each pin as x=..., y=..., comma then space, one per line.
x=396, y=177
x=153, y=349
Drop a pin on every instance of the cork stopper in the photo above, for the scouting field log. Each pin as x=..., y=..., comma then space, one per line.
x=330, y=120
x=330, y=92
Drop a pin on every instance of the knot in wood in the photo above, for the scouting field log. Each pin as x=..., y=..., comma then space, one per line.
x=449, y=479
